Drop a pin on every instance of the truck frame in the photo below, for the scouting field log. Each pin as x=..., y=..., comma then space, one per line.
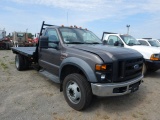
x=77, y=60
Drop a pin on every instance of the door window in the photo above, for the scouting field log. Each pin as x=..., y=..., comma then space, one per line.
x=112, y=40
x=52, y=37
x=143, y=43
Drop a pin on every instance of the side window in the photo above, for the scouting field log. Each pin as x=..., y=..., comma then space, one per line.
x=52, y=36
x=112, y=40
x=143, y=42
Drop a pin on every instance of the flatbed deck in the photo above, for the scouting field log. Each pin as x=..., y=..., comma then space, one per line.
x=26, y=51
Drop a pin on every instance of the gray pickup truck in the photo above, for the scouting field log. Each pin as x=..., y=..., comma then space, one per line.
x=77, y=59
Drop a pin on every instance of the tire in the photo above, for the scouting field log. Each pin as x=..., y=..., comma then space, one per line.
x=27, y=63
x=144, y=69
x=77, y=91
x=19, y=62
x=7, y=46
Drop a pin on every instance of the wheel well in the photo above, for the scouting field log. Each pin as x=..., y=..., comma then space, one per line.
x=69, y=69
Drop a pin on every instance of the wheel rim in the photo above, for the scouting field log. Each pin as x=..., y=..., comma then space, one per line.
x=17, y=62
x=73, y=92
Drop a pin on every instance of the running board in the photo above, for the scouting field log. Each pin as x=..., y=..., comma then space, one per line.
x=50, y=76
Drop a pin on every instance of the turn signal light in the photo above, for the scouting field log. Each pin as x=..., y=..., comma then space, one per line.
x=154, y=58
x=101, y=67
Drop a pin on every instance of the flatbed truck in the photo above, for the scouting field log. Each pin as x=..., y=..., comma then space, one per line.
x=77, y=60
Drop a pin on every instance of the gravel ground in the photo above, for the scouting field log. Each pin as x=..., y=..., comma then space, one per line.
x=27, y=95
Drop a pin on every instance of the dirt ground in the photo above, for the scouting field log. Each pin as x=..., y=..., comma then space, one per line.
x=27, y=95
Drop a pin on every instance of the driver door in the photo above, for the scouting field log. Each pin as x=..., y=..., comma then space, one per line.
x=49, y=58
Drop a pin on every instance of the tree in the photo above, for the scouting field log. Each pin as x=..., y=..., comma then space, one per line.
x=30, y=35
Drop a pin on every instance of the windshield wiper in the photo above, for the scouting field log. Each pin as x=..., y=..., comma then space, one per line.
x=75, y=43
x=137, y=44
x=92, y=43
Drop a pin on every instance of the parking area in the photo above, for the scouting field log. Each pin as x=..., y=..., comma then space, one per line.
x=27, y=95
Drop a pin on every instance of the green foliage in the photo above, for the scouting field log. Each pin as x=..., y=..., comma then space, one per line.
x=30, y=35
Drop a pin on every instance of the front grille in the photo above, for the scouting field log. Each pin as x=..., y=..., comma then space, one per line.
x=129, y=69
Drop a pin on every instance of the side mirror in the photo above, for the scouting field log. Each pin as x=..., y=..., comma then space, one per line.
x=43, y=42
x=116, y=43
x=104, y=42
x=122, y=45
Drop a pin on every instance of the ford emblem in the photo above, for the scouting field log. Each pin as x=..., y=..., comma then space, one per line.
x=136, y=66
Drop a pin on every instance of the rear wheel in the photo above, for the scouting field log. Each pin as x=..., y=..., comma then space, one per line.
x=27, y=63
x=9, y=46
x=21, y=62
x=6, y=46
x=77, y=91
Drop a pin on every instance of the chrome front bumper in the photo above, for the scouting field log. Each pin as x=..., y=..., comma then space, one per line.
x=110, y=89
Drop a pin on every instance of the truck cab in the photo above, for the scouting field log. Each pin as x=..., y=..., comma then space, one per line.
x=149, y=42
x=151, y=55
x=21, y=39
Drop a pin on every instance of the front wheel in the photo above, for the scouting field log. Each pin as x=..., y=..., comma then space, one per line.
x=77, y=91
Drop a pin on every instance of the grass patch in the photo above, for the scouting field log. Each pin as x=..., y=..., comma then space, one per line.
x=5, y=56
x=135, y=116
x=11, y=62
x=3, y=65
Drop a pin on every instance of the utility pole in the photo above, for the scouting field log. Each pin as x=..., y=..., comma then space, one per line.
x=128, y=29
x=26, y=30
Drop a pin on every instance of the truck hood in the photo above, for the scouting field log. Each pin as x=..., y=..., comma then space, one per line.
x=109, y=53
x=146, y=51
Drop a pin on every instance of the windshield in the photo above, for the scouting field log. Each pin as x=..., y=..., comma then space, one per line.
x=78, y=36
x=129, y=40
x=20, y=34
x=154, y=43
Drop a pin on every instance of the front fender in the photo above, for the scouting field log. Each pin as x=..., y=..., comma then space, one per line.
x=82, y=65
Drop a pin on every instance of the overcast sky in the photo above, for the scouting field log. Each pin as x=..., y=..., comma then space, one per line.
x=143, y=16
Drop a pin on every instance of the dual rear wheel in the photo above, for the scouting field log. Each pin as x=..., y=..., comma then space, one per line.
x=21, y=62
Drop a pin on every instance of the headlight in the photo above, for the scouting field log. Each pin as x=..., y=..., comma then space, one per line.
x=155, y=57
x=104, y=72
